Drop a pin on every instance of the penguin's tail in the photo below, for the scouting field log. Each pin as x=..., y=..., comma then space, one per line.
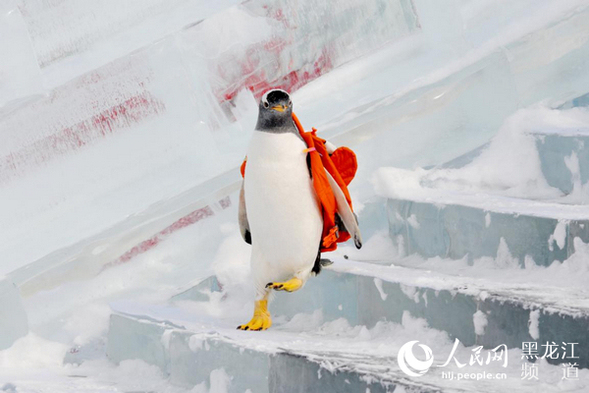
x=320, y=263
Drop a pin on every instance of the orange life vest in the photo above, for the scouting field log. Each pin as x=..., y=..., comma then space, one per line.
x=342, y=166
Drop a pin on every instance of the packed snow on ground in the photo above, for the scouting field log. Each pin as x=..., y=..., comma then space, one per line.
x=77, y=313
x=560, y=283
x=509, y=166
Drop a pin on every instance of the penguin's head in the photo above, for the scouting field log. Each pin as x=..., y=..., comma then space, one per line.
x=275, y=111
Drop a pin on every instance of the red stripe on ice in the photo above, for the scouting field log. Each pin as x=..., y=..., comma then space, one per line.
x=121, y=116
x=183, y=222
x=258, y=82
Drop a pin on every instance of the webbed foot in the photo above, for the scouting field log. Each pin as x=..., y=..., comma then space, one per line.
x=261, y=319
x=289, y=286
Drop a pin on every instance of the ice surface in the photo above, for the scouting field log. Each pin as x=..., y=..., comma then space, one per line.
x=441, y=85
x=34, y=364
x=20, y=76
x=13, y=317
x=354, y=291
x=564, y=161
x=261, y=365
x=205, y=340
x=105, y=30
x=147, y=118
x=175, y=106
x=75, y=311
x=131, y=237
x=466, y=207
x=449, y=228
x=520, y=160
x=144, y=341
x=438, y=88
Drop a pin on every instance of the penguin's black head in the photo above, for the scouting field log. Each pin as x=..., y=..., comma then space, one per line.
x=275, y=112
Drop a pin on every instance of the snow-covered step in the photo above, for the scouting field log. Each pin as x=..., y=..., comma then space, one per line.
x=203, y=352
x=195, y=357
x=365, y=294
x=563, y=154
x=564, y=157
x=436, y=222
x=13, y=318
x=245, y=361
x=477, y=311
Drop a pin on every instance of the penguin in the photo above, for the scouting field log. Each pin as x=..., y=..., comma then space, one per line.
x=279, y=214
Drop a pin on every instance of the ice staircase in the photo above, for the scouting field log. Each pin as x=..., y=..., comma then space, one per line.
x=190, y=347
x=447, y=223
x=479, y=311
x=454, y=225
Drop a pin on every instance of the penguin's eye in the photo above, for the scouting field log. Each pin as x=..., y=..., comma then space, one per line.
x=289, y=103
x=266, y=105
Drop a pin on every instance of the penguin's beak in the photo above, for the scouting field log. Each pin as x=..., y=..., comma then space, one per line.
x=279, y=108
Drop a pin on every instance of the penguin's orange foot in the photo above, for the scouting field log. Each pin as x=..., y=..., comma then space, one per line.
x=257, y=324
x=261, y=319
x=289, y=286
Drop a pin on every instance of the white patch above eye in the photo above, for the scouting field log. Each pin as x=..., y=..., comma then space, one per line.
x=265, y=96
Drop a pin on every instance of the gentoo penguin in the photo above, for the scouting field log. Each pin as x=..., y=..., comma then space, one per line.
x=279, y=213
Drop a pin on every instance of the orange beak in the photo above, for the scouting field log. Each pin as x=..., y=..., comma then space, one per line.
x=279, y=108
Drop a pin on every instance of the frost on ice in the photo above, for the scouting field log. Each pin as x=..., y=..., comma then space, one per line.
x=480, y=321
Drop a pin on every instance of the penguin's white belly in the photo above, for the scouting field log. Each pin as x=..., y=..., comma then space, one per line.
x=282, y=210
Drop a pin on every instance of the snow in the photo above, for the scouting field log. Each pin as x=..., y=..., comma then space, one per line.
x=220, y=383
x=374, y=248
x=369, y=350
x=534, y=324
x=509, y=166
x=410, y=292
x=34, y=364
x=166, y=338
x=87, y=323
x=232, y=260
x=412, y=220
x=33, y=351
x=92, y=376
x=562, y=284
x=195, y=343
x=405, y=184
x=504, y=258
x=559, y=235
x=378, y=284
x=479, y=319
x=572, y=164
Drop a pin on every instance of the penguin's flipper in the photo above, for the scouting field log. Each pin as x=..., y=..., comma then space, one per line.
x=244, y=226
x=345, y=212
